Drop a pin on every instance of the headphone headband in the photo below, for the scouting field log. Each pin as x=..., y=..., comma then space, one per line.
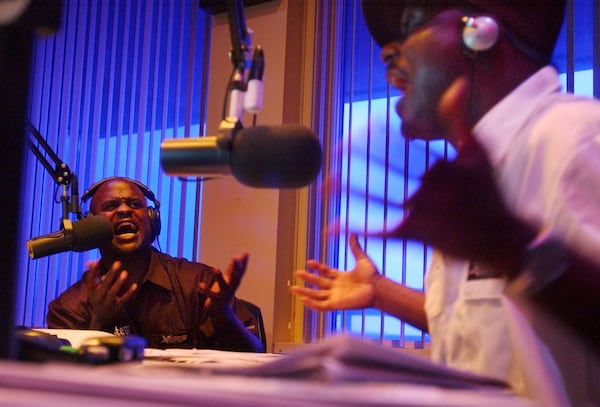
x=145, y=190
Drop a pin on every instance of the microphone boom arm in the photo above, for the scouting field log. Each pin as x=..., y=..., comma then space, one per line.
x=239, y=55
x=240, y=43
x=60, y=171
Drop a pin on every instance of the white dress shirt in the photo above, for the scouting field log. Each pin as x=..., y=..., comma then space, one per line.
x=544, y=146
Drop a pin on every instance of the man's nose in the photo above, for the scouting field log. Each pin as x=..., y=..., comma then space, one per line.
x=124, y=208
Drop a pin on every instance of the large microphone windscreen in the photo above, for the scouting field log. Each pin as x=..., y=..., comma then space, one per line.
x=286, y=156
x=91, y=232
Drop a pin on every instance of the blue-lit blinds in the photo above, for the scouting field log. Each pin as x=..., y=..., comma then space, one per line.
x=115, y=80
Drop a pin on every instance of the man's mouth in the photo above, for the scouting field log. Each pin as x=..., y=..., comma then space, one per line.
x=126, y=230
x=397, y=79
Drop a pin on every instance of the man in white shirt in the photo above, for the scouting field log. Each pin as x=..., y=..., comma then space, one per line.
x=488, y=62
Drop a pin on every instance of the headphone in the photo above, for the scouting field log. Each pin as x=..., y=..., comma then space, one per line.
x=153, y=211
x=480, y=33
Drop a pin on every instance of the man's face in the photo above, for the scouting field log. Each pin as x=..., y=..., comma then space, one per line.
x=125, y=206
x=423, y=65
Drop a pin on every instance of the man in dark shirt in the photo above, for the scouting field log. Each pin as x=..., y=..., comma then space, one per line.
x=135, y=289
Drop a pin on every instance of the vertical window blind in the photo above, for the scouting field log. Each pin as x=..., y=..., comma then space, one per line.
x=377, y=169
x=107, y=88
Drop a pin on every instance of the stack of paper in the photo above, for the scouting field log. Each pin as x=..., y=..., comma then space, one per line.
x=347, y=358
x=335, y=359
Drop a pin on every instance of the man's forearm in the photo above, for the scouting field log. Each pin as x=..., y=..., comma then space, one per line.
x=229, y=333
x=400, y=301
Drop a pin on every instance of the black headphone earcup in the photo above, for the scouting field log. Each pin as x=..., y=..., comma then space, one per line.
x=154, y=216
x=480, y=33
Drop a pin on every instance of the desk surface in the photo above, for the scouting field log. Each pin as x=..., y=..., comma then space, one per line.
x=132, y=384
x=339, y=372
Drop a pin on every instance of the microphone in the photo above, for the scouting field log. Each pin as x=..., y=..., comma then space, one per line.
x=286, y=156
x=85, y=234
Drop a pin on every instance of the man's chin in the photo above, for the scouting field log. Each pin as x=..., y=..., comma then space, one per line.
x=126, y=247
x=419, y=133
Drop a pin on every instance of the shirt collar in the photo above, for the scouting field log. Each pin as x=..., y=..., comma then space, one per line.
x=498, y=127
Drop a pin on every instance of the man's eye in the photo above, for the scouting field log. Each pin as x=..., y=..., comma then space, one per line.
x=135, y=205
x=110, y=207
x=389, y=56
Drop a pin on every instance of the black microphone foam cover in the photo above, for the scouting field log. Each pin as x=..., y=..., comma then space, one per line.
x=286, y=156
x=91, y=232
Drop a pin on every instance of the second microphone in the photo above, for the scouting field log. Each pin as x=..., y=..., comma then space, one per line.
x=286, y=156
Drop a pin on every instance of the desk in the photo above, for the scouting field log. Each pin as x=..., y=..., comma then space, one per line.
x=137, y=384
x=340, y=371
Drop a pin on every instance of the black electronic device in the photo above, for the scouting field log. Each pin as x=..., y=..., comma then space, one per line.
x=110, y=349
x=38, y=346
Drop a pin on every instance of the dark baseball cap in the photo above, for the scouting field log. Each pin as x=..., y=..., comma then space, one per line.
x=534, y=23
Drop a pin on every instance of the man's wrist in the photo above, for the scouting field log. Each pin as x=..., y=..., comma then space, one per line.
x=375, y=281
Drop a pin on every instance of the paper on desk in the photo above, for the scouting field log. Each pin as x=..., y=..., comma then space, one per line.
x=207, y=358
x=347, y=358
x=75, y=336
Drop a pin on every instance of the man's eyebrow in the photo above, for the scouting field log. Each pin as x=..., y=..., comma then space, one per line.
x=130, y=199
